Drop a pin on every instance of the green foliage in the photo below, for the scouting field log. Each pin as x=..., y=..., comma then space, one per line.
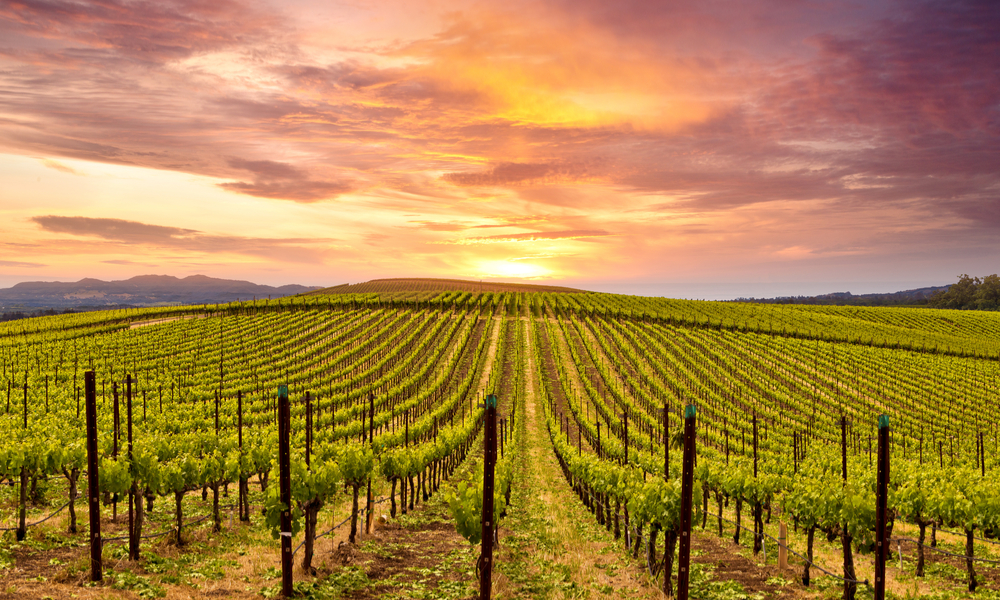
x=970, y=293
x=357, y=462
x=141, y=585
x=466, y=503
x=338, y=584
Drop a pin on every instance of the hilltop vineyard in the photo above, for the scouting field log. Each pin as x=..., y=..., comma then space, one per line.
x=386, y=398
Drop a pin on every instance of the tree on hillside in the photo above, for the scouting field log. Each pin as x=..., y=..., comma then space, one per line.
x=988, y=294
x=969, y=293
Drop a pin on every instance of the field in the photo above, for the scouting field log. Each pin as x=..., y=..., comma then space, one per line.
x=387, y=390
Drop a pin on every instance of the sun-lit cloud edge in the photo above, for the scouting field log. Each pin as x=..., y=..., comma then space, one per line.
x=528, y=237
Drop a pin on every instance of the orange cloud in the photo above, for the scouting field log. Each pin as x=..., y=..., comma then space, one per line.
x=520, y=173
x=549, y=71
x=136, y=236
x=530, y=237
x=58, y=166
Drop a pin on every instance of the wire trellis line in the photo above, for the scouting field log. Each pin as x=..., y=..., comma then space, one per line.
x=59, y=510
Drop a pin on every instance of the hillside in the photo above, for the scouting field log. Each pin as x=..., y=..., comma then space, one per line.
x=144, y=290
x=915, y=297
x=439, y=285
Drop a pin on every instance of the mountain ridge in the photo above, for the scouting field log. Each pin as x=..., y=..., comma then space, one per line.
x=917, y=296
x=141, y=290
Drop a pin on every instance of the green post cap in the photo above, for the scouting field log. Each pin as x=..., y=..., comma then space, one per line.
x=689, y=411
x=883, y=421
x=283, y=391
x=491, y=401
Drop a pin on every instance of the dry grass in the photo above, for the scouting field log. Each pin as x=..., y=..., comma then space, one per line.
x=238, y=562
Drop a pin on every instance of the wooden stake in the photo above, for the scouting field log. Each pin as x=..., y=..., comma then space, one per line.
x=285, y=483
x=687, y=488
x=93, y=483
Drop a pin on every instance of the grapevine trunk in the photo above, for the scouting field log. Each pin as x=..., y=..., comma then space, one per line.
x=850, y=585
x=970, y=550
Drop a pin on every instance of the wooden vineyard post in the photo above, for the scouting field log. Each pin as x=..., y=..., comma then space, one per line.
x=93, y=482
x=982, y=455
x=795, y=452
x=116, y=428
x=22, y=529
x=133, y=498
x=666, y=442
x=758, y=525
x=243, y=500
x=881, y=506
x=850, y=584
x=843, y=446
x=503, y=438
x=309, y=427
x=489, y=462
x=370, y=499
x=782, y=545
x=285, y=483
x=625, y=428
x=687, y=489
x=599, y=453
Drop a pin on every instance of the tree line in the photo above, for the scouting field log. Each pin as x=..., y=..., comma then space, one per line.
x=970, y=293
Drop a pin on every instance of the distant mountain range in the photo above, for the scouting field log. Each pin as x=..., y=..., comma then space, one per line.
x=34, y=297
x=144, y=290
x=906, y=297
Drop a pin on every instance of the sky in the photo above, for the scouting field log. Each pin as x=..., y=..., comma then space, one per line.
x=709, y=149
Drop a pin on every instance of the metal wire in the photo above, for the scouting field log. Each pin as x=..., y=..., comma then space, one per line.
x=165, y=532
x=812, y=564
x=335, y=527
x=764, y=534
x=965, y=556
x=59, y=510
x=981, y=539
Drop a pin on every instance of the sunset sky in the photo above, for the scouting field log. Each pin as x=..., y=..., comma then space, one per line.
x=693, y=149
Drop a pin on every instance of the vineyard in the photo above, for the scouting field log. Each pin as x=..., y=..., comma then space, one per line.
x=386, y=396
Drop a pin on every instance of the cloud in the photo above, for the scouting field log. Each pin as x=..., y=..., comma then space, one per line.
x=299, y=191
x=112, y=229
x=439, y=226
x=128, y=263
x=515, y=221
x=518, y=174
x=282, y=181
x=531, y=237
x=135, y=235
x=266, y=169
x=143, y=30
x=58, y=166
x=20, y=264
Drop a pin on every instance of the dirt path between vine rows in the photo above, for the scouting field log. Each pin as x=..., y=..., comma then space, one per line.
x=550, y=545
